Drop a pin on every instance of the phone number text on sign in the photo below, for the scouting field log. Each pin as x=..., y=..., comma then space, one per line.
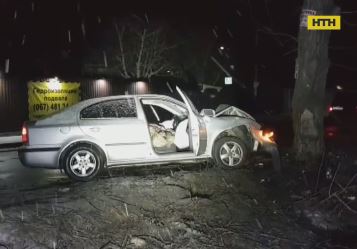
x=47, y=107
x=46, y=98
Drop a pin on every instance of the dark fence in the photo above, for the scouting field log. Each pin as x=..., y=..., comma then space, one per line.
x=13, y=104
x=14, y=97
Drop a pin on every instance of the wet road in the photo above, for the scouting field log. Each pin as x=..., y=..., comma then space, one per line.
x=15, y=176
x=171, y=209
x=144, y=202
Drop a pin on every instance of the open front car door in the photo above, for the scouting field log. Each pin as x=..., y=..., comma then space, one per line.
x=198, y=132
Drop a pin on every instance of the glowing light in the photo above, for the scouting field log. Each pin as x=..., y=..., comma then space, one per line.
x=221, y=48
x=101, y=82
x=263, y=136
x=338, y=87
x=102, y=86
x=24, y=134
x=141, y=86
x=228, y=80
x=330, y=134
x=267, y=136
x=335, y=108
x=54, y=84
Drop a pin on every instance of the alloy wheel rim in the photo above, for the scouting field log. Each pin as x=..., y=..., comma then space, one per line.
x=83, y=163
x=231, y=154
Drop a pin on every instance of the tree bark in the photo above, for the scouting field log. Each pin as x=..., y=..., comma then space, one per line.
x=309, y=93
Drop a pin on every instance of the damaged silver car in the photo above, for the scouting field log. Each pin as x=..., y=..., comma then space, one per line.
x=132, y=130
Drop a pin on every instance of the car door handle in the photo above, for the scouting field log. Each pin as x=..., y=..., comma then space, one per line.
x=94, y=129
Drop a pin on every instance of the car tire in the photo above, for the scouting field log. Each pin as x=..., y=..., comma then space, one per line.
x=83, y=163
x=230, y=152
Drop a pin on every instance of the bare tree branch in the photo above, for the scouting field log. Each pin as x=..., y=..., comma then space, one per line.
x=268, y=31
x=143, y=51
x=152, y=73
x=123, y=61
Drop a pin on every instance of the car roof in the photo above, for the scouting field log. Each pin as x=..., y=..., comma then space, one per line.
x=91, y=101
x=126, y=96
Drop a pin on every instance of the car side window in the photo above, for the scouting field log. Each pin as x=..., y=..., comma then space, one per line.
x=166, y=106
x=119, y=108
x=91, y=112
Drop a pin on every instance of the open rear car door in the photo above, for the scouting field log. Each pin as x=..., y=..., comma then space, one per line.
x=198, y=132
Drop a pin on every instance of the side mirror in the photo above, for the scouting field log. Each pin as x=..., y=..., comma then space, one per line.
x=208, y=112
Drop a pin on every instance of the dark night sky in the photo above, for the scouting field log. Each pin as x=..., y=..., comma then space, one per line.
x=46, y=28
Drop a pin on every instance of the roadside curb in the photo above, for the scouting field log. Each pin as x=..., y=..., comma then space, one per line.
x=9, y=149
x=10, y=141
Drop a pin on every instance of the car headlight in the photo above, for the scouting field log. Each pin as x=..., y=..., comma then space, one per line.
x=267, y=136
x=264, y=135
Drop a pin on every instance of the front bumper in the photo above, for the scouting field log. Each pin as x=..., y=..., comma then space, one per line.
x=39, y=157
x=272, y=150
x=264, y=144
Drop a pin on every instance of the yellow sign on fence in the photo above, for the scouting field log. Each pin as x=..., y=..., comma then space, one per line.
x=324, y=22
x=46, y=98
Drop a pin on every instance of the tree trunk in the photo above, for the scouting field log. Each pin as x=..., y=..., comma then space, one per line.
x=309, y=93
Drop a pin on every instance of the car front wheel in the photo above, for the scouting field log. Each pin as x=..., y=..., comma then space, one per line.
x=82, y=163
x=230, y=152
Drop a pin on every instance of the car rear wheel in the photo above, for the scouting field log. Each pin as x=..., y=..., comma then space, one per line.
x=230, y=152
x=83, y=163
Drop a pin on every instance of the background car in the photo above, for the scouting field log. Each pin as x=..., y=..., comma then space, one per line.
x=341, y=119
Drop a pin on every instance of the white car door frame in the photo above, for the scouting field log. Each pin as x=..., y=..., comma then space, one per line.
x=124, y=138
x=198, y=131
x=156, y=101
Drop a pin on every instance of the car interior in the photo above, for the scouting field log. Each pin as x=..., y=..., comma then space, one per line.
x=168, y=126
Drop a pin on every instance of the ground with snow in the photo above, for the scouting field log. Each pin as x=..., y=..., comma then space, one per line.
x=193, y=207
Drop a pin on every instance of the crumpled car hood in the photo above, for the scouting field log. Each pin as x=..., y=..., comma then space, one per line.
x=233, y=111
